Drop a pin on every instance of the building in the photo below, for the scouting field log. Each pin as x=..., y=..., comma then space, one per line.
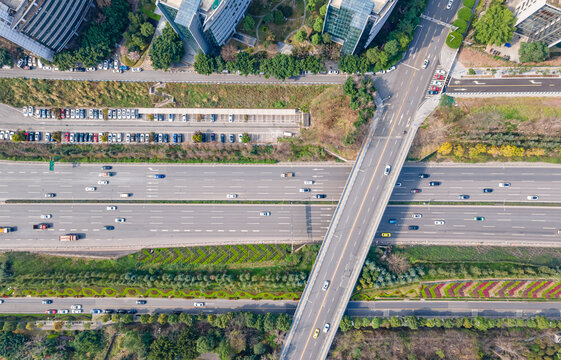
x=42, y=27
x=539, y=20
x=204, y=25
x=355, y=23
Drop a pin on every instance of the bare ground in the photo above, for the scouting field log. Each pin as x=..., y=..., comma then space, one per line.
x=470, y=58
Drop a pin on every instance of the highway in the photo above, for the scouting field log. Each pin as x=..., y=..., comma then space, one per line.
x=182, y=182
x=367, y=192
x=169, y=76
x=380, y=308
x=263, y=182
x=512, y=85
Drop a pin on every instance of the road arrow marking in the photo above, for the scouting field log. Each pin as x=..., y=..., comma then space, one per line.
x=478, y=83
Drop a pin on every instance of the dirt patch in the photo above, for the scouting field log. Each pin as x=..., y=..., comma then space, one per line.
x=471, y=58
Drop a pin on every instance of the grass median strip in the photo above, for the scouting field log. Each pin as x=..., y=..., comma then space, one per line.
x=474, y=203
x=201, y=202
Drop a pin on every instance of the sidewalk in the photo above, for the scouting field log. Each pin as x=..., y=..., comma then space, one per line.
x=461, y=72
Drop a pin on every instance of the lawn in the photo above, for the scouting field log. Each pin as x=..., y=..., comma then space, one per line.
x=148, y=10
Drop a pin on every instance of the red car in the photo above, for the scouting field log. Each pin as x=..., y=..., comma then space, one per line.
x=414, y=191
x=52, y=311
x=67, y=137
x=62, y=114
x=438, y=77
x=95, y=137
x=435, y=88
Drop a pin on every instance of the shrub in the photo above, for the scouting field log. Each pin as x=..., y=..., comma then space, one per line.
x=454, y=40
x=468, y=3
x=464, y=14
x=471, y=72
x=461, y=24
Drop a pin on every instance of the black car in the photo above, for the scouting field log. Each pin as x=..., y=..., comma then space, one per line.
x=108, y=311
x=434, y=183
x=463, y=197
x=424, y=176
x=321, y=196
x=222, y=138
x=132, y=311
x=106, y=167
x=487, y=190
x=109, y=227
x=212, y=137
x=413, y=227
x=141, y=302
x=121, y=311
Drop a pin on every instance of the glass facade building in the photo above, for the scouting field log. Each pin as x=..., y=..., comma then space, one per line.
x=539, y=20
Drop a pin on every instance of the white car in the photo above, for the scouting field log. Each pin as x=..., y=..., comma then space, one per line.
x=425, y=63
x=74, y=307
x=309, y=182
x=199, y=304
x=232, y=196
x=449, y=5
x=76, y=311
x=325, y=285
x=326, y=327
x=417, y=216
x=90, y=188
x=439, y=222
x=25, y=111
x=120, y=220
x=441, y=72
x=46, y=216
x=387, y=170
x=111, y=208
x=504, y=184
x=103, y=182
x=437, y=83
x=532, y=197
x=265, y=213
x=231, y=118
x=63, y=311
x=1, y=301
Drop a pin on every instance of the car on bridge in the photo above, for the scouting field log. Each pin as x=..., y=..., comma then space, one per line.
x=415, y=191
x=504, y=184
x=325, y=285
x=386, y=234
x=463, y=197
x=532, y=197
x=424, y=176
x=316, y=333
x=479, y=218
x=51, y=311
x=413, y=227
x=487, y=190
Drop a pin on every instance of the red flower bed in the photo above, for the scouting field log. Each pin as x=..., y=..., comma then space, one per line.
x=528, y=289
x=514, y=289
x=501, y=292
x=463, y=288
x=452, y=288
x=550, y=292
x=437, y=291
x=489, y=288
x=475, y=292
x=544, y=286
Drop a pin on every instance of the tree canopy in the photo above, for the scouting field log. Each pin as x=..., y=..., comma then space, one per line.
x=533, y=51
x=166, y=49
x=496, y=26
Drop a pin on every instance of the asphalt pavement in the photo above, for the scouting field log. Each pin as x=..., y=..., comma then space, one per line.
x=508, y=85
x=380, y=308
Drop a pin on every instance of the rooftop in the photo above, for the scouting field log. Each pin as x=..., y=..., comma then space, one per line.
x=12, y=4
x=378, y=4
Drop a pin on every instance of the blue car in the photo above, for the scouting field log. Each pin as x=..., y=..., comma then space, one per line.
x=159, y=176
x=175, y=138
x=393, y=221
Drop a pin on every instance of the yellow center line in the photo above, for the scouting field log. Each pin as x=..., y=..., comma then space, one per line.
x=364, y=198
x=482, y=85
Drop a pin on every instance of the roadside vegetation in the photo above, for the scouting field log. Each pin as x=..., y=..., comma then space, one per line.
x=491, y=129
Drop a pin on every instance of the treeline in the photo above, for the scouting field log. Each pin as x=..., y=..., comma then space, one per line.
x=99, y=39
x=476, y=323
x=362, y=99
x=375, y=276
x=280, y=66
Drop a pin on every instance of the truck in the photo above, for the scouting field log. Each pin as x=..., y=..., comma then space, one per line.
x=69, y=237
x=5, y=229
x=287, y=174
x=42, y=226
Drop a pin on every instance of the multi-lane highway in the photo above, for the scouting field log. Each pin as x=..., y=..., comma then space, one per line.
x=381, y=308
x=182, y=182
x=370, y=184
x=491, y=85
x=264, y=182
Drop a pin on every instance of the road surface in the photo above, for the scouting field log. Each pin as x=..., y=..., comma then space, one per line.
x=513, y=85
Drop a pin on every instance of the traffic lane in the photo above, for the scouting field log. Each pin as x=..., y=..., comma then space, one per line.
x=504, y=85
x=156, y=225
x=497, y=223
x=181, y=182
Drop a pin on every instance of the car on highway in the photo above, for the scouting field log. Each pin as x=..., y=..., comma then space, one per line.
x=159, y=176
x=95, y=311
x=76, y=306
x=479, y=218
x=76, y=311
x=425, y=63
x=438, y=222
x=417, y=216
x=532, y=197
x=415, y=191
x=231, y=196
x=321, y=196
x=387, y=169
x=392, y=221
x=51, y=311
x=120, y=220
x=305, y=190
x=50, y=195
x=326, y=327
x=105, y=174
x=46, y=302
x=413, y=227
x=504, y=184
x=140, y=302
x=103, y=182
x=386, y=234
x=316, y=333
x=46, y=216
x=325, y=285
x=199, y=304
x=309, y=182
x=265, y=213
x=487, y=190
x=91, y=188
x=109, y=227
x=63, y=311
x=434, y=183
x=463, y=197
x=106, y=167
x=111, y=208
x=398, y=184
x=424, y=176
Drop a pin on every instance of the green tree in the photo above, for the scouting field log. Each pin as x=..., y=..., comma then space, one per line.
x=144, y=319
x=166, y=49
x=496, y=26
x=162, y=348
x=259, y=348
x=246, y=138
x=10, y=344
x=392, y=48
x=9, y=326
x=88, y=342
x=133, y=342
x=316, y=39
x=269, y=322
x=278, y=17
x=454, y=40
x=204, y=64
x=468, y=3
x=300, y=36
x=186, y=345
x=147, y=30
x=323, y=10
x=283, y=322
x=205, y=344
x=5, y=58
x=461, y=24
x=197, y=137
x=248, y=23
x=346, y=323
x=536, y=51
x=326, y=38
x=464, y=14
x=163, y=318
x=318, y=24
